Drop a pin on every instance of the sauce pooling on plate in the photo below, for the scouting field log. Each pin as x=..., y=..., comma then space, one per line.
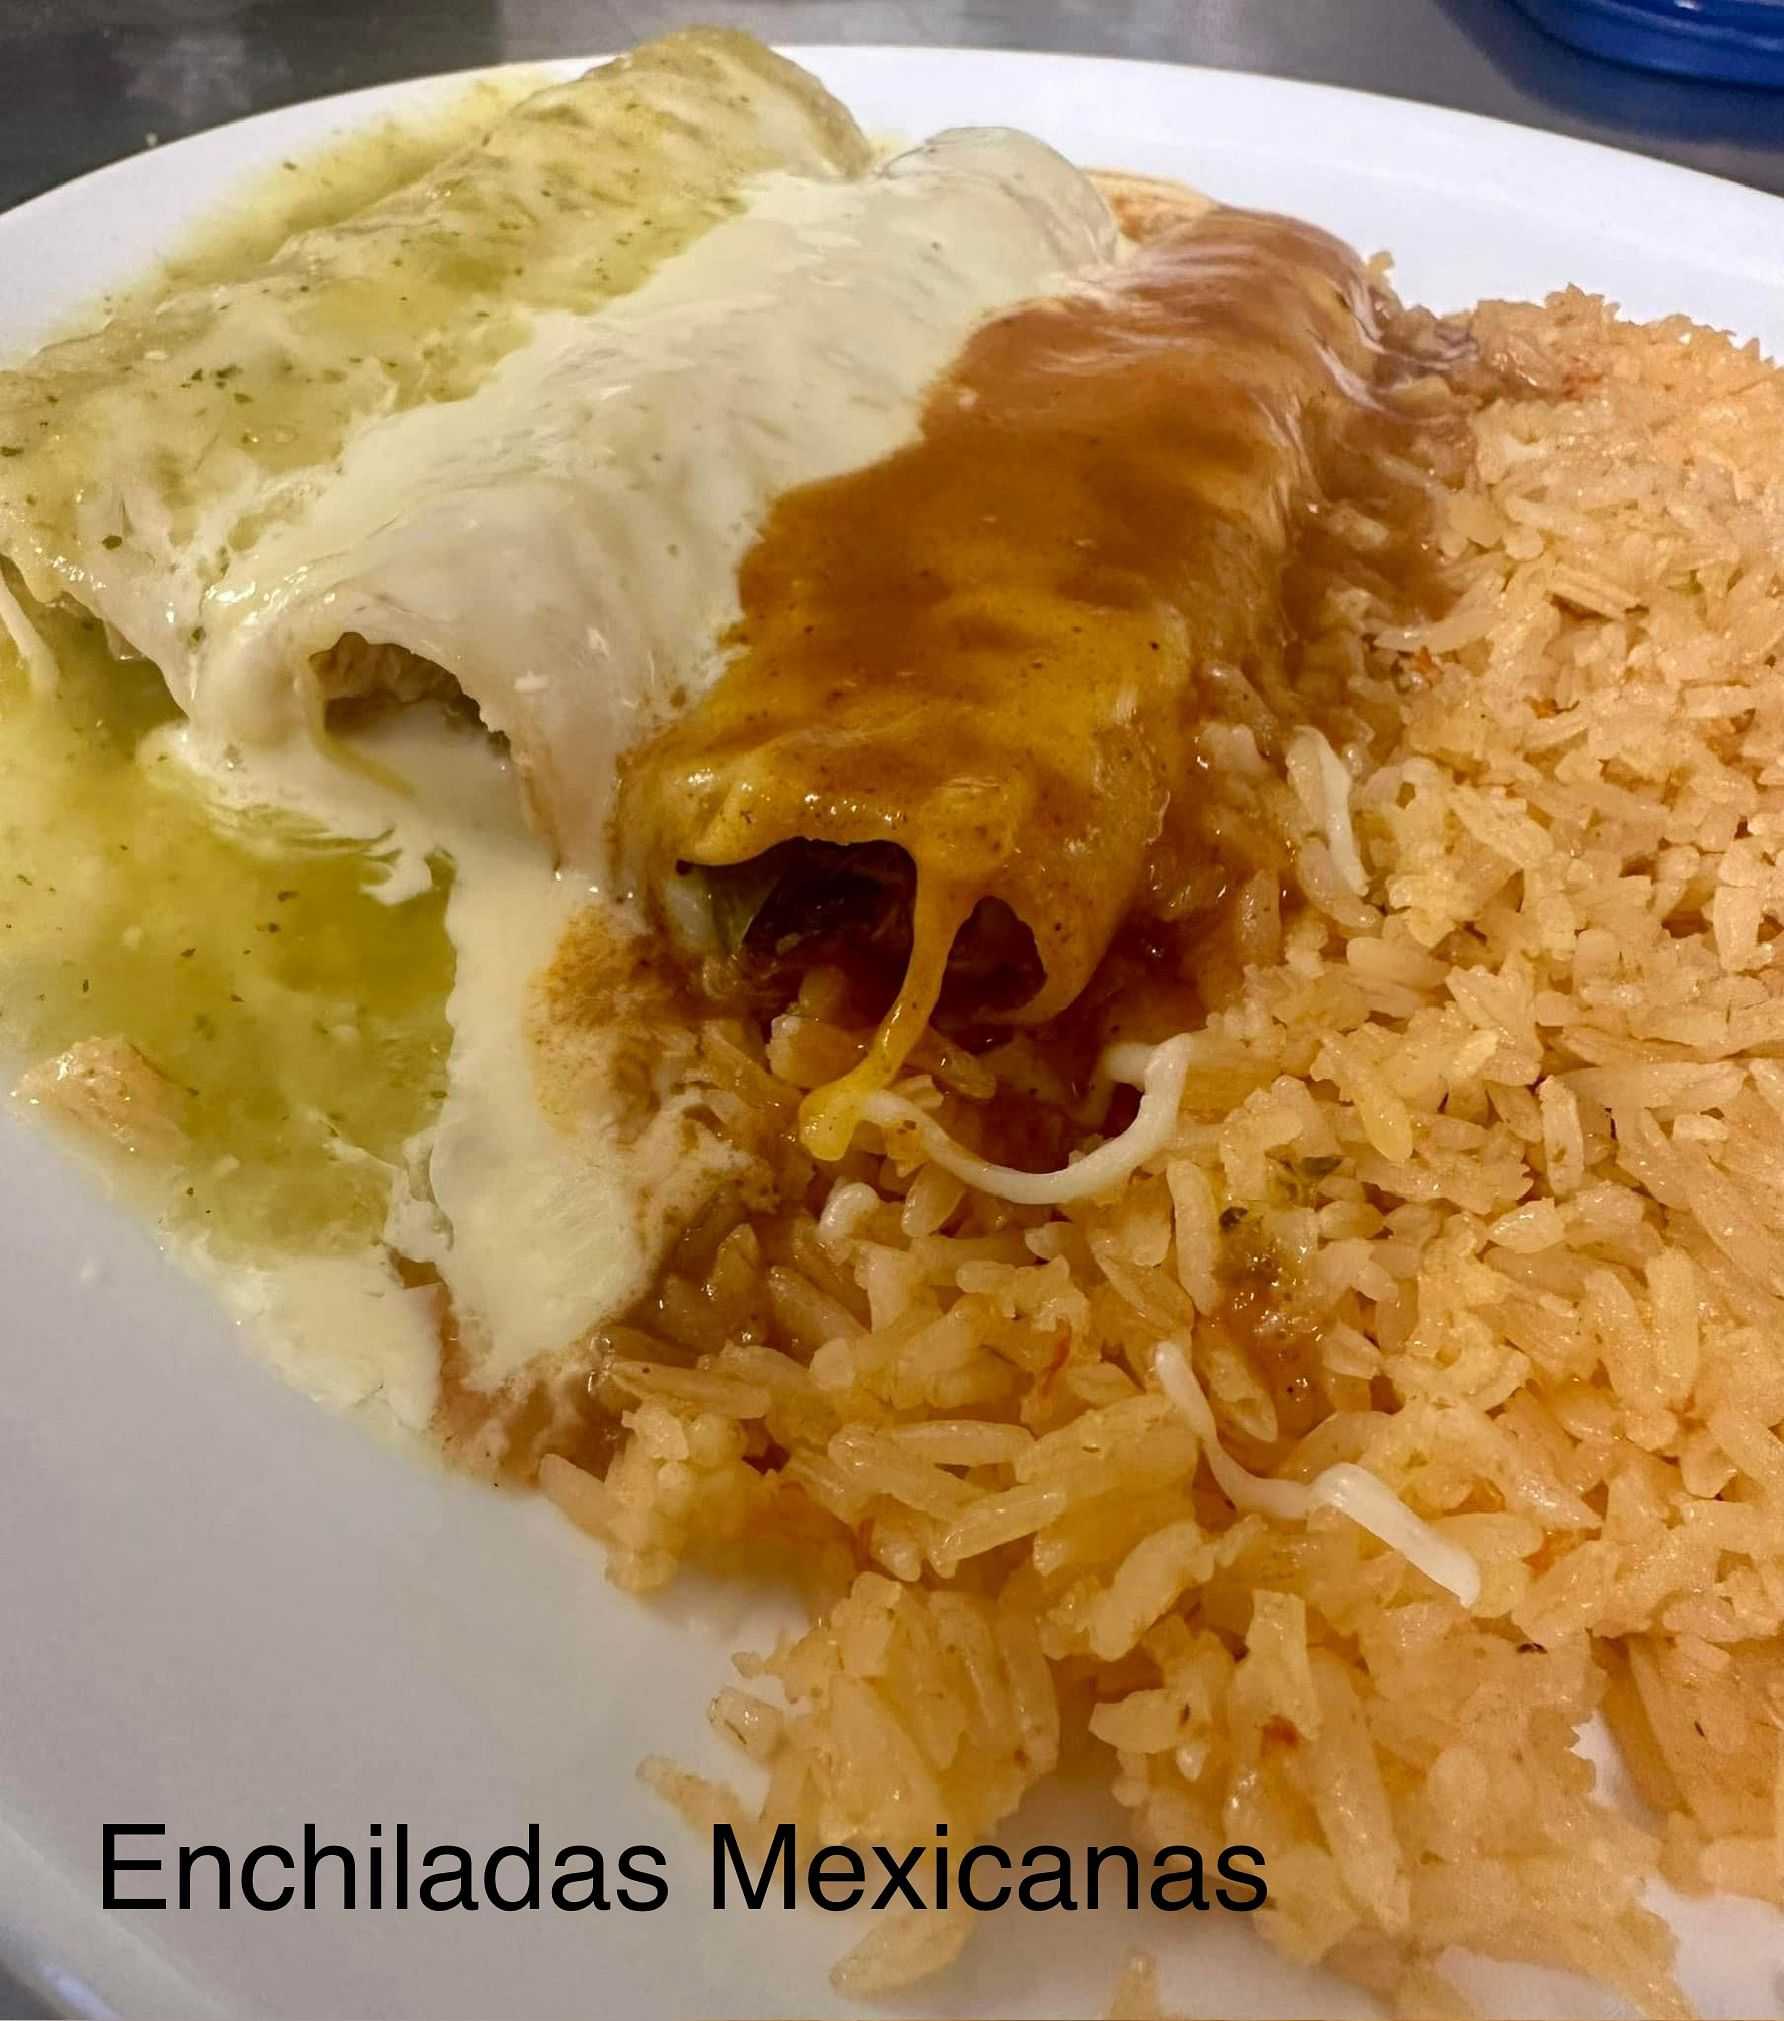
x=992, y=649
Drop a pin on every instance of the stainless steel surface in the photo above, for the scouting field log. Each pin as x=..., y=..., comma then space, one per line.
x=16, y=2003
x=19, y=2002
x=90, y=80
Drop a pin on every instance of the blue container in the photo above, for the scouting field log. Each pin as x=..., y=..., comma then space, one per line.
x=1734, y=41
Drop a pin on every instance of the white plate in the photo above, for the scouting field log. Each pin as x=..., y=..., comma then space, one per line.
x=222, y=1609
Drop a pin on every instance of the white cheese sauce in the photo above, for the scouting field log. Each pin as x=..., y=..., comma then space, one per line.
x=565, y=541
x=528, y=1219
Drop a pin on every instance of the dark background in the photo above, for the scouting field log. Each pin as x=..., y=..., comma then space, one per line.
x=90, y=80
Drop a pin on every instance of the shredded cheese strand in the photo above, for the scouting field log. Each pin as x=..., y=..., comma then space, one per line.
x=1285, y=1501
x=40, y=662
x=1158, y=1071
x=1310, y=753
x=1371, y=1504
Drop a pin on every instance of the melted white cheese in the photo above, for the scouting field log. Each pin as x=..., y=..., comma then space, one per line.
x=565, y=541
x=531, y=1224
x=542, y=1238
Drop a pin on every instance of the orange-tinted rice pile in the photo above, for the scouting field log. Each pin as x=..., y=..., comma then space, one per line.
x=1479, y=1183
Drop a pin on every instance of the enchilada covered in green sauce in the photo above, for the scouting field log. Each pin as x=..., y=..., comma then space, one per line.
x=145, y=463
